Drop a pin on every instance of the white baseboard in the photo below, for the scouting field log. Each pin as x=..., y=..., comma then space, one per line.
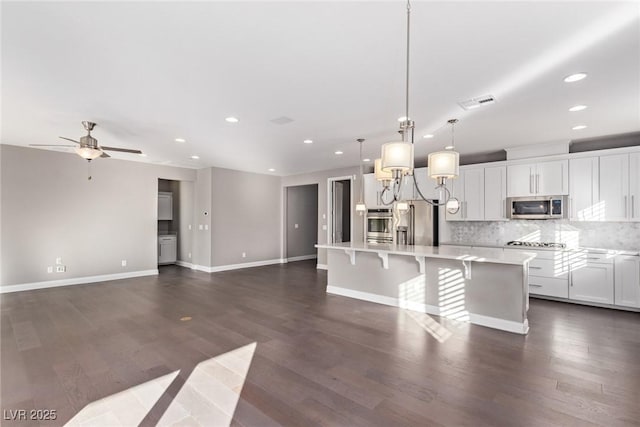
x=322, y=266
x=301, y=258
x=185, y=264
x=476, y=319
x=75, y=281
x=217, y=268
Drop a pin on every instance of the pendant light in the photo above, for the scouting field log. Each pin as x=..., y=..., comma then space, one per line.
x=397, y=159
x=361, y=208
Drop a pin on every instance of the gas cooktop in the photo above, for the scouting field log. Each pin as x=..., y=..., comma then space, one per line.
x=537, y=244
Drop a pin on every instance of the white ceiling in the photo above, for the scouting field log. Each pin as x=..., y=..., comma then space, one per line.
x=152, y=72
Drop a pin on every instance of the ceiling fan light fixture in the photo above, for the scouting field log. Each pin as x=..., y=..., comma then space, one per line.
x=88, y=152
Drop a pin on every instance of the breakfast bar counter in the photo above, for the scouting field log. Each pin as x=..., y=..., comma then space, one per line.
x=482, y=286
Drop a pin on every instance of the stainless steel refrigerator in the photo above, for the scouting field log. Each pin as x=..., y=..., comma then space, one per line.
x=418, y=225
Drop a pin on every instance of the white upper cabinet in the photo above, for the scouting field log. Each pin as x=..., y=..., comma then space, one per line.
x=634, y=186
x=495, y=193
x=372, y=189
x=474, y=189
x=427, y=185
x=627, y=281
x=552, y=178
x=165, y=206
x=584, y=191
x=543, y=179
x=614, y=187
x=520, y=180
x=469, y=189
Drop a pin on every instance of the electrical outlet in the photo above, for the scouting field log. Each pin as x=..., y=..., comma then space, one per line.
x=200, y=227
x=124, y=262
x=59, y=261
x=206, y=226
x=244, y=254
x=295, y=225
x=50, y=269
x=189, y=226
x=61, y=268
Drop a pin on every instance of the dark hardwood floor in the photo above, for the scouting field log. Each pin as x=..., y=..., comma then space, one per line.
x=320, y=360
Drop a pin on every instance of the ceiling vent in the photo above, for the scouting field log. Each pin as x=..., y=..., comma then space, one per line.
x=282, y=120
x=477, y=102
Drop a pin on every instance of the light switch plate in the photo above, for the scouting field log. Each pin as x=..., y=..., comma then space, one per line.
x=206, y=226
x=124, y=262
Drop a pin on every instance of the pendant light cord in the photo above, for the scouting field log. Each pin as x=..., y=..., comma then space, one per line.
x=405, y=133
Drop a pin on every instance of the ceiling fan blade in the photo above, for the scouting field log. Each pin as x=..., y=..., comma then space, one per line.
x=49, y=145
x=123, y=150
x=69, y=139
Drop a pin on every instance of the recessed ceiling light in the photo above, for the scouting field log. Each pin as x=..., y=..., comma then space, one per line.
x=579, y=127
x=308, y=141
x=271, y=170
x=428, y=136
x=366, y=160
x=338, y=152
x=575, y=77
x=195, y=157
x=577, y=108
x=181, y=140
x=232, y=120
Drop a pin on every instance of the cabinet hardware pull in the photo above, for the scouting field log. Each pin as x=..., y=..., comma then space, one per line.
x=530, y=183
x=633, y=207
x=534, y=285
x=537, y=183
x=535, y=268
x=625, y=207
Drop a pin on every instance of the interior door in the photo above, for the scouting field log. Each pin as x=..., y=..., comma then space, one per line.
x=338, y=190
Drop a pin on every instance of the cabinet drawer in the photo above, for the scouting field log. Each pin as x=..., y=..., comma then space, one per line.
x=549, y=268
x=558, y=288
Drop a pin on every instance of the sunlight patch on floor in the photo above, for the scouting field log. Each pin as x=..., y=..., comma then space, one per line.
x=127, y=408
x=427, y=323
x=211, y=393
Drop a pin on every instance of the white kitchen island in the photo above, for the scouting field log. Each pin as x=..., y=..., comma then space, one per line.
x=483, y=286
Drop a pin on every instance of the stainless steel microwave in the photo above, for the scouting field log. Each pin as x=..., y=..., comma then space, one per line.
x=537, y=207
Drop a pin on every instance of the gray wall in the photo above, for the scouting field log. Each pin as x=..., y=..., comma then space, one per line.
x=320, y=178
x=186, y=229
x=302, y=209
x=202, y=218
x=246, y=212
x=49, y=209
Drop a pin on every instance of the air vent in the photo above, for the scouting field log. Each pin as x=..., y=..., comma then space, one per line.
x=282, y=120
x=477, y=102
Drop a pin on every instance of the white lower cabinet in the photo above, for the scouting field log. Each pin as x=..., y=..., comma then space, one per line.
x=167, y=249
x=627, y=281
x=548, y=274
x=592, y=281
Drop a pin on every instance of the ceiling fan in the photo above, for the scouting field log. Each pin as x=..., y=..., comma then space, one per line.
x=88, y=147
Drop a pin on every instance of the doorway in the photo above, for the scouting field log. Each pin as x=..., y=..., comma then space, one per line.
x=175, y=219
x=301, y=226
x=340, y=202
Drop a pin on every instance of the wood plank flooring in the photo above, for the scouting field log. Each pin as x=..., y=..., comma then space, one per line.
x=320, y=360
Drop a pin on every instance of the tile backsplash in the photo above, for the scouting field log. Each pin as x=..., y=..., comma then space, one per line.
x=607, y=235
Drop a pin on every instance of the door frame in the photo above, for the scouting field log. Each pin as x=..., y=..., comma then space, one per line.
x=330, y=182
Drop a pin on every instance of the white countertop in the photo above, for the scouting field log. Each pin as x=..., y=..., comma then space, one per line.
x=477, y=254
x=478, y=245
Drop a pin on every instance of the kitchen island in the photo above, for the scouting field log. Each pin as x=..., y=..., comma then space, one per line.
x=483, y=286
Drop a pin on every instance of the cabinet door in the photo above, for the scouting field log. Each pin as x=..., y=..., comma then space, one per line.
x=165, y=206
x=614, y=186
x=167, y=250
x=634, y=186
x=495, y=193
x=627, y=281
x=584, y=190
x=592, y=283
x=473, y=204
x=520, y=180
x=456, y=189
x=552, y=178
x=371, y=191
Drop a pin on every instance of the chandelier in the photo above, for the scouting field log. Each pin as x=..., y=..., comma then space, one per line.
x=397, y=158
